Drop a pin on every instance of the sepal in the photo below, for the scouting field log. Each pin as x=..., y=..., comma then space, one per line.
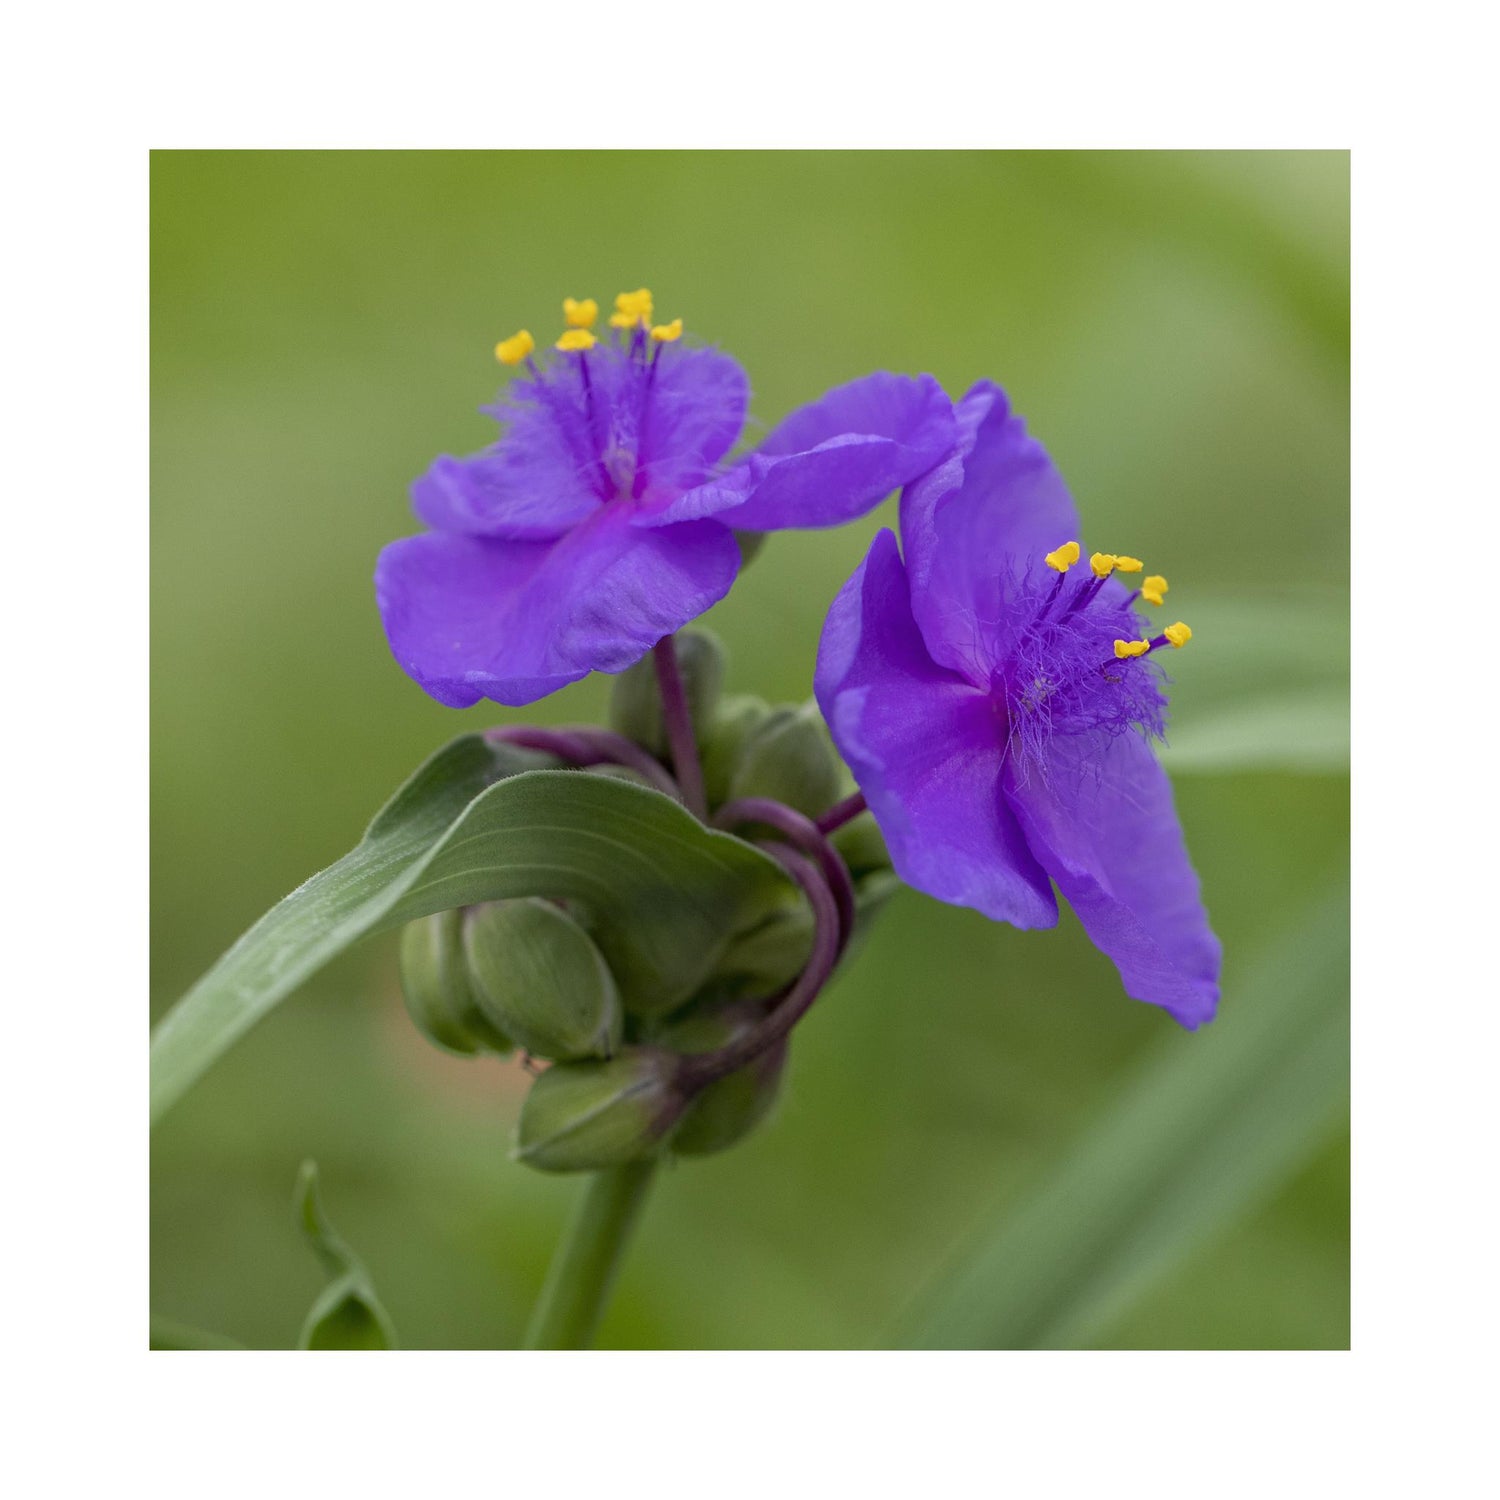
x=583, y=1117
x=726, y=1111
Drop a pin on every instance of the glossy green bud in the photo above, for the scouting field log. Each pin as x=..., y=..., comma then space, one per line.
x=581, y=1117
x=729, y=1109
x=435, y=983
x=720, y=749
x=635, y=699
x=537, y=975
x=790, y=758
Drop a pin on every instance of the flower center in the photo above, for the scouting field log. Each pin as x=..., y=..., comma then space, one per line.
x=1072, y=662
x=600, y=400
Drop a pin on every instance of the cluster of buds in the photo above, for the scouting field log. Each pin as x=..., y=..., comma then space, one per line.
x=626, y=1082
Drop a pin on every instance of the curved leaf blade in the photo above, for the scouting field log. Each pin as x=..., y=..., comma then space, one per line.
x=666, y=895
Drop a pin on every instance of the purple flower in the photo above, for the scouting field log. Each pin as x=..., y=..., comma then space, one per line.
x=996, y=702
x=602, y=519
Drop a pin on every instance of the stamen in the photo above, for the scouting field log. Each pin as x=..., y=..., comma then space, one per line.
x=1179, y=634
x=1124, y=649
x=1064, y=557
x=1128, y=565
x=576, y=340
x=1103, y=564
x=1153, y=588
x=513, y=350
x=668, y=333
x=580, y=314
x=632, y=308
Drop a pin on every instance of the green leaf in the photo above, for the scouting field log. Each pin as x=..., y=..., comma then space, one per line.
x=1264, y=685
x=1208, y=1129
x=664, y=894
x=347, y=1313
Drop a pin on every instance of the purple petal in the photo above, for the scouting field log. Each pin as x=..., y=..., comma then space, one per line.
x=1102, y=824
x=925, y=748
x=522, y=488
x=693, y=415
x=471, y=617
x=976, y=524
x=832, y=460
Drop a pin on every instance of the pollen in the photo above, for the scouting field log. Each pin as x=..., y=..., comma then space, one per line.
x=580, y=314
x=1124, y=649
x=513, y=350
x=1103, y=564
x=1063, y=558
x=1128, y=565
x=1153, y=589
x=632, y=308
x=576, y=340
x=668, y=333
x=1178, y=634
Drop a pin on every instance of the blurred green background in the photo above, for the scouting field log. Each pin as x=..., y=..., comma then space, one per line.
x=1174, y=327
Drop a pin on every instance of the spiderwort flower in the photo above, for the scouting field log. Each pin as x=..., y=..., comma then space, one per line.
x=603, y=519
x=996, y=702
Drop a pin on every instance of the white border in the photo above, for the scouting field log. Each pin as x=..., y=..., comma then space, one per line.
x=97, y=87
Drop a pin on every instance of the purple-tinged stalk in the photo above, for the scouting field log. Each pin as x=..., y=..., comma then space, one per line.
x=842, y=812
x=677, y=720
x=803, y=834
x=585, y=745
x=697, y=1070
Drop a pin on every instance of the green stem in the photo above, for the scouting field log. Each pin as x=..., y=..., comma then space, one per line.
x=583, y=1269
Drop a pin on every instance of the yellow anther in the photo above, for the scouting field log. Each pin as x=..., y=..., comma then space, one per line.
x=1064, y=557
x=513, y=350
x=632, y=308
x=667, y=333
x=1153, y=589
x=1131, y=648
x=1103, y=564
x=580, y=314
x=1128, y=565
x=576, y=340
x=1178, y=634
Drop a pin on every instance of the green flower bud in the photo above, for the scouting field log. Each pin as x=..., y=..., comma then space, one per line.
x=729, y=1109
x=435, y=983
x=635, y=700
x=738, y=718
x=791, y=759
x=537, y=974
x=581, y=1117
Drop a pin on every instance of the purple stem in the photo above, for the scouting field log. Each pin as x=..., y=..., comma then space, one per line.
x=842, y=812
x=698, y=1070
x=587, y=746
x=802, y=833
x=677, y=719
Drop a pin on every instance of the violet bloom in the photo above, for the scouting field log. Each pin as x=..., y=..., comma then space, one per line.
x=996, y=704
x=603, y=519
